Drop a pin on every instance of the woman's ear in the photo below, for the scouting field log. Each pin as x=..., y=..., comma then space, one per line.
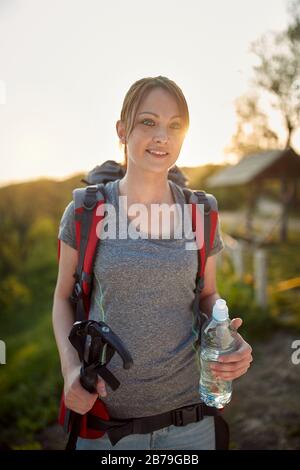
x=121, y=131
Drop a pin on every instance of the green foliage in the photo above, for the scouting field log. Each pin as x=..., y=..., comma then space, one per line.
x=197, y=175
x=30, y=382
x=257, y=322
x=283, y=263
x=30, y=445
x=13, y=294
x=41, y=254
x=231, y=198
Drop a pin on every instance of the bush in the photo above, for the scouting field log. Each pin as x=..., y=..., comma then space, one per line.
x=257, y=322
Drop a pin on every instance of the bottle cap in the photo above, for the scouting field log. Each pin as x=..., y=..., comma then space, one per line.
x=220, y=310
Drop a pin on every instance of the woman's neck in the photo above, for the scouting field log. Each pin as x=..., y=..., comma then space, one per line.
x=146, y=188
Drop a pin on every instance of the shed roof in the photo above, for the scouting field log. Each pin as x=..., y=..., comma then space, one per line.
x=267, y=164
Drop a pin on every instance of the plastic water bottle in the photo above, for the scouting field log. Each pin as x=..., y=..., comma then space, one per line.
x=217, y=338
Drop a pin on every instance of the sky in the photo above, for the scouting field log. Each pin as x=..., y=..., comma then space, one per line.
x=66, y=65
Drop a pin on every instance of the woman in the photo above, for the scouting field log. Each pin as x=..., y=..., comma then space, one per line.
x=144, y=288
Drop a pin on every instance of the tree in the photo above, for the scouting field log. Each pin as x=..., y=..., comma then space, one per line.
x=253, y=132
x=277, y=80
x=278, y=75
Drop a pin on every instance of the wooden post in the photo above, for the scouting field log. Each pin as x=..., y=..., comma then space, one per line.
x=284, y=210
x=260, y=277
x=295, y=193
x=249, y=216
x=238, y=262
x=253, y=189
x=2, y=352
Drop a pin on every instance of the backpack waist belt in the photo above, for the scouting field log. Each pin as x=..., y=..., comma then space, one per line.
x=118, y=428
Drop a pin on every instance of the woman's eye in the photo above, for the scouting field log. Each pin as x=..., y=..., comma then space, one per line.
x=176, y=124
x=147, y=120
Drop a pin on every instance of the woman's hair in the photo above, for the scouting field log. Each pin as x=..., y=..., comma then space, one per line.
x=138, y=91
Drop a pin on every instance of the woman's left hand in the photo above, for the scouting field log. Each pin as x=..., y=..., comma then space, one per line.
x=233, y=365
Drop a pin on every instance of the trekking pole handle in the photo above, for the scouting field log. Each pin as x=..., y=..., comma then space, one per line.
x=108, y=336
x=88, y=379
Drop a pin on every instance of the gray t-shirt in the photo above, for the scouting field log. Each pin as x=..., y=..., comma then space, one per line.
x=143, y=289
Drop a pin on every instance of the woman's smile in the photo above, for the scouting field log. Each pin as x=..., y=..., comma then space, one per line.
x=157, y=154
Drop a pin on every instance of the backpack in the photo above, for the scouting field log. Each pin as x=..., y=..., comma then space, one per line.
x=86, y=201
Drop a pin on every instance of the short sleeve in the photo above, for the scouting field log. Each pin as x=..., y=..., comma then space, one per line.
x=218, y=244
x=67, y=231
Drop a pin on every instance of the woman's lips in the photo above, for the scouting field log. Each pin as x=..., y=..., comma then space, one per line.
x=157, y=155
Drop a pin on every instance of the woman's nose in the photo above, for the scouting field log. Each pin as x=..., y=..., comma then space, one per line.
x=161, y=136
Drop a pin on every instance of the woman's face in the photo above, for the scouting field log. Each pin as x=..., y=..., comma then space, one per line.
x=157, y=126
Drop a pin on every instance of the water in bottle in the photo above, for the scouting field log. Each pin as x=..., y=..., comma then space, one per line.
x=217, y=338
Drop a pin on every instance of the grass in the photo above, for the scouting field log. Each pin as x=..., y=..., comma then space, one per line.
x=30, y=382
x=283, y=309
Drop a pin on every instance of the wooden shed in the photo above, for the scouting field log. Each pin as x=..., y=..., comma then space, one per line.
x=253, y=169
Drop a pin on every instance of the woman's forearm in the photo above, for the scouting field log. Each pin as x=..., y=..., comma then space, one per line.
x=63, y=319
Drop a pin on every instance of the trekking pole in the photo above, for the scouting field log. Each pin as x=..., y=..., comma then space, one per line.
x=102, y=338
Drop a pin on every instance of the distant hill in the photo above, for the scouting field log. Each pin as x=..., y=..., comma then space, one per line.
x=33, y=199
x=47, y=197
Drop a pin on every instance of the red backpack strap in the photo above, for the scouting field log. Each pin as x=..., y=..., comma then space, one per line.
x=210, y=220
x=207, y=233
x=89, y=212
x=207, y=206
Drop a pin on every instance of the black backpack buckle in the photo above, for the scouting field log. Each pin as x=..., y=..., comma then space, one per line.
x=77, y=293
x=199, y=285
x=190, y=414
x=202, y=197
x=90, y=199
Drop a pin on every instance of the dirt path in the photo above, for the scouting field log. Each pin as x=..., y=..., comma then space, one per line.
x=265, y=408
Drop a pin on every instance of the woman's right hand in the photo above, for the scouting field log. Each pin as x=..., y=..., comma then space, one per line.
x=76, y=397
